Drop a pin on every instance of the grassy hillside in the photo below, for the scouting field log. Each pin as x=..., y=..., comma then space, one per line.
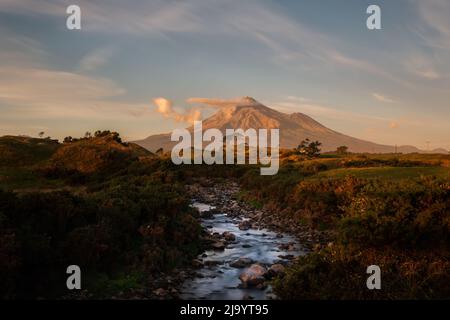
x=27, y=179
x=105, y=152
x=21, y=151
x=388, y=210
x=32, y=164
x=391, y=173
x=20, y=159
x=109, y=206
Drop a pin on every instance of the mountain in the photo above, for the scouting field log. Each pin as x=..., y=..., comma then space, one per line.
x=248, y=113
x=439, y=150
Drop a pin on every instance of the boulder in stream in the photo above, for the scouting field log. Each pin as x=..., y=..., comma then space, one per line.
x=242, y=262
x=218, y=245
x=197, y=263
x=245, y=225
x=228, y=236
x=211, y=263
x=253, y=276
x=275, y=270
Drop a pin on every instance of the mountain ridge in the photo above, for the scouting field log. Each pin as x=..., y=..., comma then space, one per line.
x=248, y=113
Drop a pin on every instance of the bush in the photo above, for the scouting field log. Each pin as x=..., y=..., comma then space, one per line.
x=140, y=224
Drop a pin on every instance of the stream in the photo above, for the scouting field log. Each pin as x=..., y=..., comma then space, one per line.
x=216, y=279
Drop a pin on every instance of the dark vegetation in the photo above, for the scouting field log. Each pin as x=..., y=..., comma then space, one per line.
x=122, y=214
x=16, y=151
x=401, y=225
x=309, y=148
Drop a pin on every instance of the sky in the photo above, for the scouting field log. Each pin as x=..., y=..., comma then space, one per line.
x=389, y=86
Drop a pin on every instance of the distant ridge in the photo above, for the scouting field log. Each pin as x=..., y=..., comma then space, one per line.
x=248, y=113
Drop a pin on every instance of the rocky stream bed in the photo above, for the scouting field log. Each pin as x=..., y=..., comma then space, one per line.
x=245, y=248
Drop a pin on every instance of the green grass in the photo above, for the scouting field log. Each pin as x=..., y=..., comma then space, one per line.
x=103, y=286
x=242, y=196
x=24, y=178
x=385, y=172
x=409, y=156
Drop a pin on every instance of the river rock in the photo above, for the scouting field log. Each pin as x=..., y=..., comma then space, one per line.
x=261, y=286
x=196, y=263
x=276, y=270
x=211, y=263
x=287, y=246
x=160, y=292
x=228, y=236
x=253, y=276
x=245, y=225
x=241, y=262
x=218, y=245
x=287, y=256
x=207, y=214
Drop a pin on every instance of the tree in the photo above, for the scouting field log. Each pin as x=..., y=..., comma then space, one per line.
x=87, y=135
x=308, y=148
x=41, y=134
x=116, y=137
x=68, y=139
x=342, y=150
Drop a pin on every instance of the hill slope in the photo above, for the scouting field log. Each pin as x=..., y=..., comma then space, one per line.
x=95, y=154
x=21, y=150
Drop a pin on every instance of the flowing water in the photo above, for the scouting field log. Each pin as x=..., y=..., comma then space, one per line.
x=221, y=281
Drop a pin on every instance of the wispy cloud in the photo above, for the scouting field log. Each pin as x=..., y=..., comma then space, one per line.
x=288, y=40
x=429, y=61
x=316, y=109
x=31, y=89
x=435, y=15
x=422, y=66
x=51, y=94
x=113, y=16
x=20, y=50
x=382, y=98
x=165, y=107
x=96, y=59
x=215, y=103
